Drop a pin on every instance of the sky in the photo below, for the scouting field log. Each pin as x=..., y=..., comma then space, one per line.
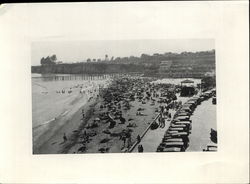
x=77, y=51
x=75, y=32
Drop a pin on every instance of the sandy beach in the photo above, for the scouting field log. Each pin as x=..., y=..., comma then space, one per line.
x=52, y=110
x=69, y=119
x=114, y=144
x=111, y=141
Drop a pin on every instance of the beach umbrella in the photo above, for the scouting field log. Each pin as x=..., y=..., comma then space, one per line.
x=97, y=119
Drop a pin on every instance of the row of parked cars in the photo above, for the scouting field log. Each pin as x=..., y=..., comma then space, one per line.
x=176, y=137
x=208, y=94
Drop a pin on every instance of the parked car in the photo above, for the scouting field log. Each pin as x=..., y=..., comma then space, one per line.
x=162, y=147
x=182, y=118
x=214, y=100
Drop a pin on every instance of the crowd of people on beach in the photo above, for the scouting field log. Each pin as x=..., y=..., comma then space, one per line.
x=117, y=101
x=86, y=88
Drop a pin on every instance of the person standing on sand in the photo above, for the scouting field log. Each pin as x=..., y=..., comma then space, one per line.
x=169, y=116
x=83, y=115
x=84, y=132
x=123, y=138
x=138, y=138
x=64, y=137
x=165, y=112
x=140, y=148
x=161, y=121
x=129, y=141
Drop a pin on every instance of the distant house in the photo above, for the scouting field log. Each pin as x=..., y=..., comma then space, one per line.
x=164, y=66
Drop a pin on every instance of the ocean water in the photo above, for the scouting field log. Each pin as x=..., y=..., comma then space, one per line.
x=48, y=104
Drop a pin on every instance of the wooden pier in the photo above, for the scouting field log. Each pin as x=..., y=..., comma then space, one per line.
x=83, y=77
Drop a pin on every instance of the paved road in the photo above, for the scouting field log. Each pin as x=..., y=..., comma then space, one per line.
x=203, y=119
x=153, y=138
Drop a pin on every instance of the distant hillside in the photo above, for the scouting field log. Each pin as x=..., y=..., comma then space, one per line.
x=88, y=68
x=186, y=64
x=190, y=66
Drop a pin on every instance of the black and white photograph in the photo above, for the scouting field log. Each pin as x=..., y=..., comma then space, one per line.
x=124, y=96
x=120, y=92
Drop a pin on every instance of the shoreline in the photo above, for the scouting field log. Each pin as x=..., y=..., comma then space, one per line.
x=52, y=111
x=53, y=144
x=88, y=109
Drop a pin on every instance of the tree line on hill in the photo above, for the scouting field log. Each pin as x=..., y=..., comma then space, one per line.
x=157, y=58
x=143, y=59
x=185, y=64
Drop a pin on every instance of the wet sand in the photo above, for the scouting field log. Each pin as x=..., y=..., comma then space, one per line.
x=55, y=143
x=52, y=111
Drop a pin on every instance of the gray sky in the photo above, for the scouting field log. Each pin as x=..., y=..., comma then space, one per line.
x=73, y=51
